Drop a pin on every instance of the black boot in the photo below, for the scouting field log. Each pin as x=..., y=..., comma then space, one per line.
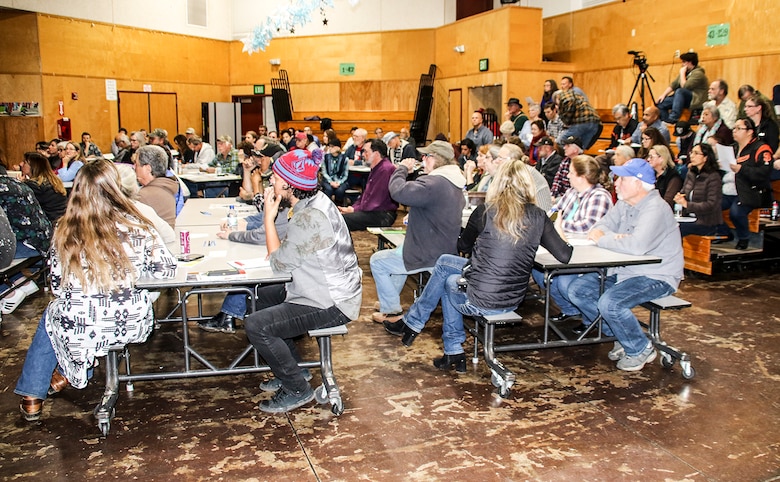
x=221, y=322
x=458, y=362
x=399, y=328
x=742, y=244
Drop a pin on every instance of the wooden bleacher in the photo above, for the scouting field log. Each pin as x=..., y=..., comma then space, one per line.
x=698, y=250
x=343, y=121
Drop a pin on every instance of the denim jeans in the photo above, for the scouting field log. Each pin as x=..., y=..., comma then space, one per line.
x=676, y=103
x=235, y=305
x=273, y=328
x=39, y=365
x=586, y=132
x=559, y=286
x=616, y=303
x=389, y=272
x=739, y=217
x=443, y=286
x=24, y=251
x=338, y=191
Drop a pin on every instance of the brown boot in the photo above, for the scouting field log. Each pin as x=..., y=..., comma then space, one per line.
x=31, y=408
x=58, y=383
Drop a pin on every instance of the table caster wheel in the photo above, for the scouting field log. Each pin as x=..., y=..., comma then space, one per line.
x=321, y=395
x=687, y=370
x=338, y=407
x=667, y=360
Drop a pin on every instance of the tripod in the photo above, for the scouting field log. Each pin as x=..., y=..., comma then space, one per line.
x=641, y=83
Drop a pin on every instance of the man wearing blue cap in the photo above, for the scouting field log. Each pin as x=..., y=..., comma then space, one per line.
x=641, y=223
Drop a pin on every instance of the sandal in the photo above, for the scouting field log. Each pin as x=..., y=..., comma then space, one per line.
x=31, y=408
x=58, y=383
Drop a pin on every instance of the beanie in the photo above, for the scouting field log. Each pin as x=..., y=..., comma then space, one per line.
x=299, y=168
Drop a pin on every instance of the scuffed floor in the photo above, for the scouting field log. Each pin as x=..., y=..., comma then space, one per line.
x=570, y=417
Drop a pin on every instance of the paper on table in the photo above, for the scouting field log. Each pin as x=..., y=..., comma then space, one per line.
x=725, y=157
x=198, y=235
x=573, y=241
x=218, y=254
x=253, y=263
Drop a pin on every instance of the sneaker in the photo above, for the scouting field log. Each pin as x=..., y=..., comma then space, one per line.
x=284, y=401
x=617, y=352
x=29, y=288
x=380, y=317
x=275, y=384
x=635, y=363
x=221, y=322
x=12, y=302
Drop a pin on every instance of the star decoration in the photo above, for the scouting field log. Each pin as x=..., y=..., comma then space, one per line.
x=325, y=21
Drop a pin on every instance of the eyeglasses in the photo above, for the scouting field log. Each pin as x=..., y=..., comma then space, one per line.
x=738, y=128
x=645, y=138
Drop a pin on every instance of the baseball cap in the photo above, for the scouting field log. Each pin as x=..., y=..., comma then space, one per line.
x=682, y=128
x=389, y=136
x=638, y=168
x=190, y=130
x=226, y=139
x=545, y=141
x=442, y=148
x=573, y=140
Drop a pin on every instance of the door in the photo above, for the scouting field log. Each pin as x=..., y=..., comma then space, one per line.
x=251, y=111
x=456, y=115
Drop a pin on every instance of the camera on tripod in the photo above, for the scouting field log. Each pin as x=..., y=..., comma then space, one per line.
x=640, y=59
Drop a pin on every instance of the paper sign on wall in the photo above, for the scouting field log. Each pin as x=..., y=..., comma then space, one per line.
x=718, y=34
x=111, y=89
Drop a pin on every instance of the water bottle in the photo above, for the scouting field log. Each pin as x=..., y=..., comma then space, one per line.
x=678, y=210
x=774, y=211
x=218, y=170
x=232, y=218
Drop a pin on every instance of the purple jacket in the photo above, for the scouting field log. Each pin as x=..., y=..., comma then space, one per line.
x=376, y=195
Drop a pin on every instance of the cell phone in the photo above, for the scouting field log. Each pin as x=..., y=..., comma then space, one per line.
x=188, y=256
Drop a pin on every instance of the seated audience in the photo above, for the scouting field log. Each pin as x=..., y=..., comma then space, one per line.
x=495, y=279
x=478, y=134
x=158, y=190
x=72, y=160
x=718, y=96
x=550, y=86
x=436, y=205
x=702, y=192
x=468, y=152
x=761, y=113
x=712, y=128
x=203, y=153
x=650, y=118
x=115, y=148
x=474, y=171
x=667, y=179
x=584, y=204
x=100, y=247
x=47, y=187
x=572, y=147
x=639, y=224
x=688, y=89
x=534, y=115
x=334, y=172
x=375, y=207
x=398, y=149
x=537, y=133
x=89, y=148
x=651, y=137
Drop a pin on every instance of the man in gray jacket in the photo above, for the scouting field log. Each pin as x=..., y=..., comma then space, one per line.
x=436, y=205
x=641, y=223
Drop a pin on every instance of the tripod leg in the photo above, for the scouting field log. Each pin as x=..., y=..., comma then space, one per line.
x=636, y=84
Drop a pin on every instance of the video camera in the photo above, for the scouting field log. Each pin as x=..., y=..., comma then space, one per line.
x=640, y=59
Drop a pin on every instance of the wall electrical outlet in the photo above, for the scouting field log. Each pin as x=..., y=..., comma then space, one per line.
x=677, y=54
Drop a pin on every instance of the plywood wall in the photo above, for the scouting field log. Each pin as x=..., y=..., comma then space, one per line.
x=596, y=40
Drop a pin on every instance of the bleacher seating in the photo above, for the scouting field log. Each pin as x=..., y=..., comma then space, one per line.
x=343, y=121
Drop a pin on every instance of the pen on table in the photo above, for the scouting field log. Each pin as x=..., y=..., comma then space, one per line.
x=206, y=213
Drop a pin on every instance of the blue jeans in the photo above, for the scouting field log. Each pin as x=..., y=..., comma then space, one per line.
x=739, y=217
x=24, y=251
x=586, y=132
x=389, y=272
x=674, y=103
x=559, y=286
x=39, y=365
x=338, y=191
x=443, y=286
x=234, y=305
x=273, y=328
x=616, y=303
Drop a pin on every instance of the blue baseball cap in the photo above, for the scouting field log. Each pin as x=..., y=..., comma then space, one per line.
x=638, y=168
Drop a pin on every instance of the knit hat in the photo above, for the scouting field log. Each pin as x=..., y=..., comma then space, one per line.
x=299, y=168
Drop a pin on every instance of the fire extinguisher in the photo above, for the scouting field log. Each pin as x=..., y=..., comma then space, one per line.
x=63, y=129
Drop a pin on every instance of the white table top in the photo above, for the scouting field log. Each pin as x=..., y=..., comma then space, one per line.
x=359, y=168
x=210, y=211
x=205, y=177
x=204, y=240
x=589, y=256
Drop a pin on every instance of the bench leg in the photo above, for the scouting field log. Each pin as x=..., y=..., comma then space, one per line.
x=328, y=392
x=669, y=354
x=500, y=376
x=104, y=412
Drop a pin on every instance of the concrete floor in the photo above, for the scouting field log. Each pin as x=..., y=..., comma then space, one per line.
x=571, y=415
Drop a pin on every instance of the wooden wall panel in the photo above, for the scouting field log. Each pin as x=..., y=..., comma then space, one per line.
x=19, y=135
x=19, y=40
x=316, y=97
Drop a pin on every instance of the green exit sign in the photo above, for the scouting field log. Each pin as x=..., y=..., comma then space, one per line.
x=259, y=89
x=346, y=69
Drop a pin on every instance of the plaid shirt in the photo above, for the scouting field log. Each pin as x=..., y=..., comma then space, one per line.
x=555, y=127
x=561, y=180
x=579, y=211
x=229, y=163
x=574, y=109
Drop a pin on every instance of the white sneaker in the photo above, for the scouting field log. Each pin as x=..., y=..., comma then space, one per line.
x=617, y=352
x=12, y=301
x=637, y=362
x=29, y=288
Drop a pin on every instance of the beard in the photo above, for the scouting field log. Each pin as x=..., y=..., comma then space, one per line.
x=284, y=203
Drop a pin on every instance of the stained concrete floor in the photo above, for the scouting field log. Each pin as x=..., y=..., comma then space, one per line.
x=570, y=416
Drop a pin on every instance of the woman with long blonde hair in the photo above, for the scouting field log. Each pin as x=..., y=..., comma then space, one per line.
x=102, y=245
x=45, y=184
x=495, y=279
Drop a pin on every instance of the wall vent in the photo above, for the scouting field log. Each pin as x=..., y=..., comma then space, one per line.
x=197, y=13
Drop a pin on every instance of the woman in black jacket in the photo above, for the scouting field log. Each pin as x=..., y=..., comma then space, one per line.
x=45, y=184
x=495, y=279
